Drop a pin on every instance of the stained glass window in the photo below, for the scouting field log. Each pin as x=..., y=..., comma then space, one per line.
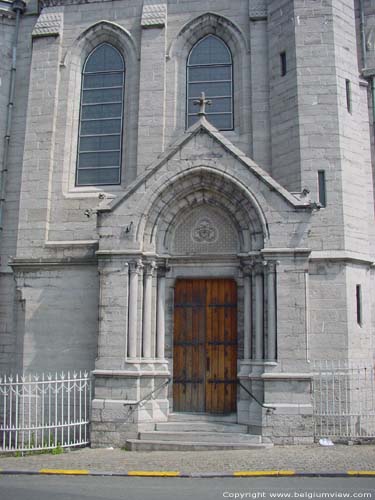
x=101, y=118
x=210, y=70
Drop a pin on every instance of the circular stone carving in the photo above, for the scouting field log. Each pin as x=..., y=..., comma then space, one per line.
x=204, y=231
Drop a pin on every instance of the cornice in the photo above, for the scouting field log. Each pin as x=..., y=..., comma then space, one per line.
x=18, y=264
x=56, y=3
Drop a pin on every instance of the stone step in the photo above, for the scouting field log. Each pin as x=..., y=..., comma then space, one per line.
x=202, y=417
x=151, y=445
x=207, y=437
x=199, y=426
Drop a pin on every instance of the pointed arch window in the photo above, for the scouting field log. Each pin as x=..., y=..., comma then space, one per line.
x=101, y=118
x=210, y=70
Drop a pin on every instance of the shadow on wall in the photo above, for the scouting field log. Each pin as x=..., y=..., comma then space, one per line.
x=57, y=321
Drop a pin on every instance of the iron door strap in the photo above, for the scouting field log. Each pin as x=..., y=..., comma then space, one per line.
x=189, y=304
x=221, y=381
x=222, y=305
x=187, y=381
x=188, y=342
x=222, y=342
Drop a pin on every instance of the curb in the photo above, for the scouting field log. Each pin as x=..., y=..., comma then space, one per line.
x=253, y=474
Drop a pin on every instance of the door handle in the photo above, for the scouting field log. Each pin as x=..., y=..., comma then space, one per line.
x=208, y=364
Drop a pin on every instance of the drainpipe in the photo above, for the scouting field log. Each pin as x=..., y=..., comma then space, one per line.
x=18, y=7
x=364, y=59
x=373, y=100
x=362, y=30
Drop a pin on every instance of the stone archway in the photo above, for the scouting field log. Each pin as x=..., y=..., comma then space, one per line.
x=204, y=331
x=205, y=187
x=201, y=223
x=204, y=227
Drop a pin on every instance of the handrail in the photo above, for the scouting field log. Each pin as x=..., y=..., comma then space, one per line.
x=134, y=406
x=254, y=398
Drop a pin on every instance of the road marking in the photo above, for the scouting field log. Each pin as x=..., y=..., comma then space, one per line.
x=264, y=473
x=153, y=473
x=361, y=472
x=65, y=471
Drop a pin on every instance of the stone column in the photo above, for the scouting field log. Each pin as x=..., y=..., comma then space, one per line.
x=271, y=311
x=160, y=325
x=247, y=313
x=135, y=269
x=147, y=310
x=259, y=312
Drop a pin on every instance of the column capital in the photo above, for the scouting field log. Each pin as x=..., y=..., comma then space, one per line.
x=271, y=265
x=247, y=268
x=150, y=267
x=259, y=267
x=162, y=267
x=136, y=266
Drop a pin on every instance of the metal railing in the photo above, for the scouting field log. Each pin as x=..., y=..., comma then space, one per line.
x=44, y=412
x=268, y=408
x=344, y=400
x=132, y=407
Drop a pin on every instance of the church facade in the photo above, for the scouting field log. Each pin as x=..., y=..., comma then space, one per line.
x=187, y=203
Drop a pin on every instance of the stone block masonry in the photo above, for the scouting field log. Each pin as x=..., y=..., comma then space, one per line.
x=88, y=273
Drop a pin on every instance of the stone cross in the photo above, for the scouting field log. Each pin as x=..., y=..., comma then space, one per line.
x=202, y=102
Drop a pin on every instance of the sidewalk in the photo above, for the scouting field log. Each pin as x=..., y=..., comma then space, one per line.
x=301, y=459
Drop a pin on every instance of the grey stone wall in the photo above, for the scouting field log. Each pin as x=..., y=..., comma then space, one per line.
x=292, y=125
x=328, y=304
x=284, y=117
x=8, y=237
x=57, y=315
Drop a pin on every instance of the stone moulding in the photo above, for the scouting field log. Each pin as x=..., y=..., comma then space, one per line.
x=48, y=24
x=154, y=14
x=204, y=24
x=265, y=377
x=130, y=374
x=257, y=10
x=203, y=126
x=54, y=3
x=6, y=9
x=42, y=263
x=342, y=256
x=71, y=243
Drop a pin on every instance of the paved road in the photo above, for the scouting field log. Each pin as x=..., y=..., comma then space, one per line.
x=112, y=488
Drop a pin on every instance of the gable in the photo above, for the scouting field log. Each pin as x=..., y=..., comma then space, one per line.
x=203, y=168
x=203, y=144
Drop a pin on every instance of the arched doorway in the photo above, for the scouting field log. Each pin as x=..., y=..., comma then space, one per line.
x=205, y=229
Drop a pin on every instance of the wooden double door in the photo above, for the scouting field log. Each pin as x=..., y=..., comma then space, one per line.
x=205, y=346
